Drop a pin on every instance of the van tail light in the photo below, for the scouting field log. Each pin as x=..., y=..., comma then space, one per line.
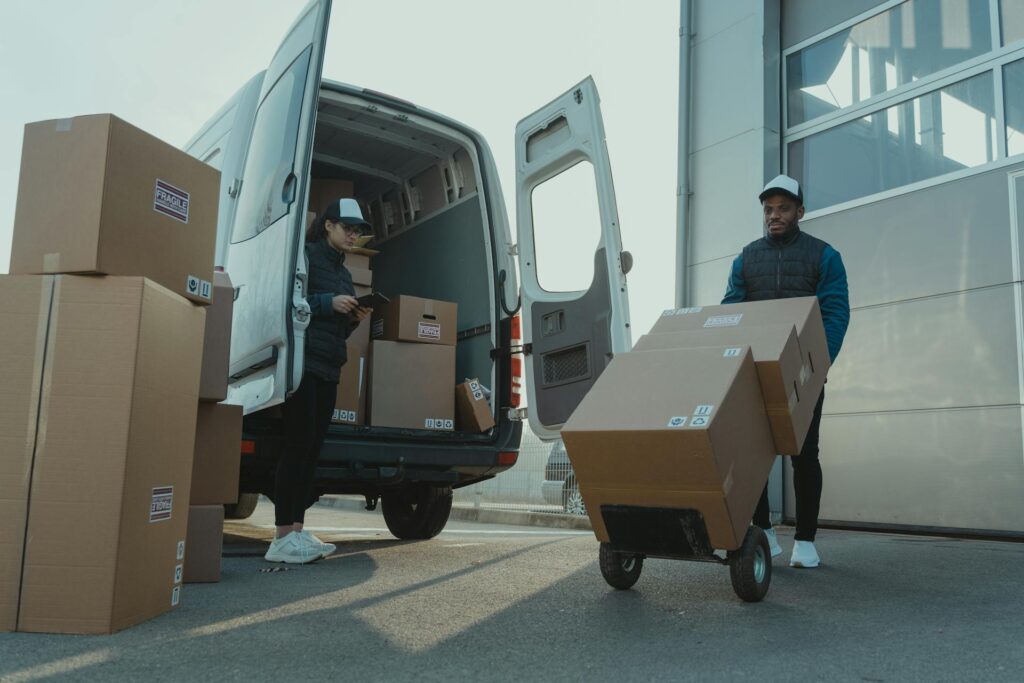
x=507, y=458
x=248, y=447
x=516, y=364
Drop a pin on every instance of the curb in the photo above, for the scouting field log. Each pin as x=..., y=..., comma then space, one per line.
x=469, y=513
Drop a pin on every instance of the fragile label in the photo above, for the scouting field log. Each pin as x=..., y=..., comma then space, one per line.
x=677, y=422
x=181, y=550
x=178, y=571
x=378, y=328
x=434, y=423
x=723, y=320
x=682, y=311
x=344, y=415
x=170, y=201
x=197, y=287
x=428, y=330
x=732, y=353
x=161, y=503
x=175, y=596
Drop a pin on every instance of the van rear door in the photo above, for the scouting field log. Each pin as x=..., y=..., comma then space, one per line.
x=573, y=322
x=266, y=257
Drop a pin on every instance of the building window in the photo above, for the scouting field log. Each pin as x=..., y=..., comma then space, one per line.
x=914, y=92
x=941, y=132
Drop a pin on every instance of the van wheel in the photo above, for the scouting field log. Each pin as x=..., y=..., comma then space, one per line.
x=419, y=511
x=620, y=570
x=245, y=506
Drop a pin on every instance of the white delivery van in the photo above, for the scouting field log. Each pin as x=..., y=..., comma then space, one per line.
x=442, y=231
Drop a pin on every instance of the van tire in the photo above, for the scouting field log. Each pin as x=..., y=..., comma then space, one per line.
x=244, y=508
x=417, y=512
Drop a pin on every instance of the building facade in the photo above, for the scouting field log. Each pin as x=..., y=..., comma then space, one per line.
x=904, y=121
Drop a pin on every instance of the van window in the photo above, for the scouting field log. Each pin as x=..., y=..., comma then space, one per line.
x=566, y=229
x=271, y=154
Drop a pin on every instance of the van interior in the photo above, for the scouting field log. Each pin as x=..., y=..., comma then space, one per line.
x=417, y=182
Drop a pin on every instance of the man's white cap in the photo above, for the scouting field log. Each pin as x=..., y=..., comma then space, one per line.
x=782, y=184
x=347, y=211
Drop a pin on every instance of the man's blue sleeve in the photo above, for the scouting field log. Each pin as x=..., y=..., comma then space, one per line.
x=736, y=291
x=834, y=300
x=321, y=305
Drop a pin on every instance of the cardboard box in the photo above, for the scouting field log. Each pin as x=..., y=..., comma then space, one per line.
x=105, y=540
x=218, y=454
x=693, y=435
x=776, y=351
x=411, y=386
x=350, y=405
x=792, y=384
x=205, y=543
x=323, y=191
x=98, y=195
x=412, y=319
x=24, y=313
x=213, y=382
x=359, y=266
x=474, y=412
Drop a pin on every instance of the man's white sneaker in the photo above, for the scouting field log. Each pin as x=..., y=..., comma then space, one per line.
x=773, y=542
x=323, y=548
x=804, y=555
x=292, y=549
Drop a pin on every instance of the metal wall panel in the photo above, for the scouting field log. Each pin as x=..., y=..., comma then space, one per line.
x=952, y=351
x=708, y=281
x=941, y=239
x=940, y=468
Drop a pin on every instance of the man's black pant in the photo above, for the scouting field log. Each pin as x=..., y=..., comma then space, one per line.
x=307, y=414
x=806, y=484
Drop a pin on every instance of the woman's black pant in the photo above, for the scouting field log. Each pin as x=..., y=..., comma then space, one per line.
x=806, y=484
x=307, y=414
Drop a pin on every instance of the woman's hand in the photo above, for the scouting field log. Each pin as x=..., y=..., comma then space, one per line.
x=343, y=303
x=360, y=314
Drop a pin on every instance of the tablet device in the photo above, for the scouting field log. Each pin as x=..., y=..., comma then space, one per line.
x=372, y=300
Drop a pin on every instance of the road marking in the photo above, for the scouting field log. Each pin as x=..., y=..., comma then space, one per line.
x=502, y=532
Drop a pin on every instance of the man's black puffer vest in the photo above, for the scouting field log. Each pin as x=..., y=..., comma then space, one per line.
x=780, y=269
x=326, y=335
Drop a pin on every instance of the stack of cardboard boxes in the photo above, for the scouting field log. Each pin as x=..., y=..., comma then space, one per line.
x=216, y=459
x=102, y=327
x=715, y=393
x=412, y=364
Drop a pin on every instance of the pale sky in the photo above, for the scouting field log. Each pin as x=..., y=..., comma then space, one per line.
x=166, y=67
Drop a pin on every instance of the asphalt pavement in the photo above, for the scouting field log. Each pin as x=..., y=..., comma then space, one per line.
x=493, y=602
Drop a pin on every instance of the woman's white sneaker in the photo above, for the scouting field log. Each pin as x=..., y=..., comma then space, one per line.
x=804, y=555
x=323, y=548
x=773, y=542
x=292, y=549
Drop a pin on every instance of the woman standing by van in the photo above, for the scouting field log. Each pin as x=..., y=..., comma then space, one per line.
x=307, y=412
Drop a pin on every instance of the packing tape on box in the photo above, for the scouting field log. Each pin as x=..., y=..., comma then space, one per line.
x=51, y=262
x=52, y=311
x=63, y=125
x=42, y=326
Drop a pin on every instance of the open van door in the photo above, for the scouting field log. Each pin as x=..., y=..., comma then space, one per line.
x=573, y=270
x=266, y=259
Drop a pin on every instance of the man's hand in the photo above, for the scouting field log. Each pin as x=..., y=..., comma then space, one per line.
x=343, y=303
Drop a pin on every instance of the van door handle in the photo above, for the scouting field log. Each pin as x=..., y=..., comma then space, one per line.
x=288, y=191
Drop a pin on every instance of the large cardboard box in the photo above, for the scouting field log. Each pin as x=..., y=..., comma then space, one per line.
x=98, y=195
x=217, y=457
x=791, y=384
x=693, y=435
x=323, y=191
x=24, y=313
x=117, y=397
x=213, y=382
x=205, y=542
x=412, y=319
x=350, y=405
x=474, y=412
x=411, y=386
x=358, y=266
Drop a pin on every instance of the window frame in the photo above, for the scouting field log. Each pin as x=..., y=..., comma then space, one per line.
x=993, y=61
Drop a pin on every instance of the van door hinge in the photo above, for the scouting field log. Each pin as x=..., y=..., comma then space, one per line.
x=517, y=414
x=235, y=188
x=525, y=349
